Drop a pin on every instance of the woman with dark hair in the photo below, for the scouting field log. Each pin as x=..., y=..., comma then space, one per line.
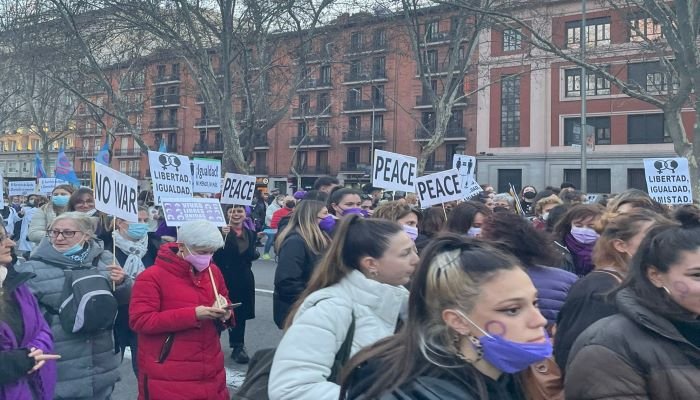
x=345, y=201
x=575, y=230
x=534, y=251
x=357, y=290
x=467, y=219
x=401, y=213
x=472, y=324
x=235, y=260
x=83, y=201
x=433, y=221
x=650, y=349
x=620, y=235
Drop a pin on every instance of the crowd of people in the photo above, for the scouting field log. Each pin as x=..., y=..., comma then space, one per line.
x=529, y=295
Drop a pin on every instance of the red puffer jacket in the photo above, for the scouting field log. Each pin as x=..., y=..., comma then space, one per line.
x=162, y=309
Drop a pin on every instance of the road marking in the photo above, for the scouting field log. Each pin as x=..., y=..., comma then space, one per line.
x=264, y=291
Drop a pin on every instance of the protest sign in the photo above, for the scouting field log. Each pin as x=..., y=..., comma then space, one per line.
x=21, y=188
x=466, y=165
x=668, y=180
x=177, y=211
x=207, y=175
x=47, y=185
x=238, y=189
x=171, y=175
x=392, y=171
x=115, y=193
x=439, y=188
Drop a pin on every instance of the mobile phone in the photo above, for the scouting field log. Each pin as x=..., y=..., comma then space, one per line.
x=232, y=306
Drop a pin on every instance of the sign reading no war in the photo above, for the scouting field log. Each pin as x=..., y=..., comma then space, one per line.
x=115, y=193
x=439, y=188
x=238, y=189
x=394, y=171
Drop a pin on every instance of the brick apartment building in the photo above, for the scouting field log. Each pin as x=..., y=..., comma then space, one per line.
x=363, y=90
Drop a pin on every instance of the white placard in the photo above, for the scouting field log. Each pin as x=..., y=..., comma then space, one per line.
x=207, y=175
x=47, y=185
x=171, y=175
x=238, y=189
x=2, y=196
x=439, y=188
x=668, y=180
x=392, y=171
x=178, y=211
x=466, y=165
x=21, y=188
x=115, y=193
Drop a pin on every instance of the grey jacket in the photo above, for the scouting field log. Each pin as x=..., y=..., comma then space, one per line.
x=88, y=367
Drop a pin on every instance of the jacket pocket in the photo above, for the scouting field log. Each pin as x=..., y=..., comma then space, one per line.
x=165, y=350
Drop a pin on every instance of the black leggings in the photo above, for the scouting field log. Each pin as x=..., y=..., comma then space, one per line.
x=236, y=336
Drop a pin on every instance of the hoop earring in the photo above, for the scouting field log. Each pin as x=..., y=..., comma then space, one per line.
x=668, y=292
x=478, y=348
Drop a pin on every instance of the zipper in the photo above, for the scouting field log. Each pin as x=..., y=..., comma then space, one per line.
x=165, y=350
x=145, y=387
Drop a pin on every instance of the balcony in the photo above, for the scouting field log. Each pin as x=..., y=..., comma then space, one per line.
x=89, y=132
x=425, y=101
x=122, y=131
x=435, y=68
x=163, y=125
x=206, y=123
x=314, y=84
x=435, y=166
x=260, y=170
x=308, y=112
x=437, y=37
x=168, y=100
x=260, y=141
x=367, y=47
x=364, y=105
x=127, y=153
x=206, y=147
x=317, y=56
x=309, y=141
x=314, y=169
x=361, y=76
x=86, y=153
x=355, y=167
x=452, y=133
x=165, y=79
x=363, y=136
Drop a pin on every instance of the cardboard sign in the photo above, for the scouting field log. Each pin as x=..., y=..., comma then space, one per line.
x=394, y=171
x=178, y=211
x=47, y=185
x=115, y=193
x=238, y=189
x=171, y=175
x=439, y=188
x=668, y=180
x=21, y=188
x=207, y=175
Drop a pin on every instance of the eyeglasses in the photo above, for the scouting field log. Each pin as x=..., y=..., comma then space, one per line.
x=66, y=234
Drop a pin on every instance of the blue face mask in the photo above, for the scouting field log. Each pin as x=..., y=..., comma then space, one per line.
x=137, y=230
x=60, y=200
x=474, y=232
x=77, y=248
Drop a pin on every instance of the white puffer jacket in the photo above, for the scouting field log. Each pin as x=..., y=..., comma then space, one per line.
x=306, y=353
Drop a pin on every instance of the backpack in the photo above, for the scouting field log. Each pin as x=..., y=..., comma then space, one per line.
x=256, y=378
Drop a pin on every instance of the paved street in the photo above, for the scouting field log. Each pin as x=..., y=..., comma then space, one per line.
x=260, y=333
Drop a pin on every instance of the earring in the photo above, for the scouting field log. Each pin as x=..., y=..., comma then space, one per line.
x=668, y=292
x=478, y=348
x=373, y=273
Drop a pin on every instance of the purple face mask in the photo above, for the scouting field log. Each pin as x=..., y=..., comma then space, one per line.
x=355, y=210
x=327, y=223
x=200, y=262
x=584, y=235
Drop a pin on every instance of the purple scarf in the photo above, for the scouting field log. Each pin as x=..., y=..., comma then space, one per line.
x=36, y=334
x=581, y=253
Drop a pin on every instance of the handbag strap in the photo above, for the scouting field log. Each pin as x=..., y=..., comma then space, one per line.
x=343, y=354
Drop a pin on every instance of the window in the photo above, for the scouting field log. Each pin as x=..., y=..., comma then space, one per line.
x=160, y=71
x=176, y=70
x=510, y=111
x=301, y=129
x=172, y=116
x=354, y=124
x=378, y=67
x=98, y=144
x=301, y=160
x=324, y=75
x=322, y=128
x=450, y=151
x=134, y=167
x=323, y=102
x=507, y=177
x=377, y=95
x=124, y=144
x=322, y=158
x=651, y=76
x=304, y=103
x=597, y=180
x=379, y=39
x=356, y=41
x=354, y=95
x=636, y=179
x=597, y=33
x=353, y=156
x=122, y=166
x=595, y=85
x=642, y=29
x=172, y=142
x=260, y=160
x=203, y=136
x=512, y=40
x=428, y=120
x=431, y=30
x=599, y=127
x=645, y=129
x=431, y=60
x=378, y=124
x=35, y=144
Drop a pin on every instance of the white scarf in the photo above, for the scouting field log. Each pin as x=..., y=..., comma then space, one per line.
x=3, y=275
x=134, y=251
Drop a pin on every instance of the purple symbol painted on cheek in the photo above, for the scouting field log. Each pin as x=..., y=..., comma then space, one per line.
x=497, y=328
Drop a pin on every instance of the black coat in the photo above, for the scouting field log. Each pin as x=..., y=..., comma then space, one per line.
x=238, y=273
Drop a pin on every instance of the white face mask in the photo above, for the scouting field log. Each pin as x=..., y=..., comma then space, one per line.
x=545, y=216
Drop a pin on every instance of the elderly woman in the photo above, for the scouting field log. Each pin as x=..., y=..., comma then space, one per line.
x=44, y=216
x=25, y=337
x=177, y=316
x=88, y=368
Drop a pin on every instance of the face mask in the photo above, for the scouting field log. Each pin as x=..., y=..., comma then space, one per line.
x=529, y=195
x=411, y=231
x=511, y=357
x=545, y=216
x=474, y=232
x=290, y=204
x=30, y=203
x=90, y=213
x=60, y=200
x=137, y=231
x=355, y=210
x=584, y=235
x=77, y=248
x=327, y=223
x=200, y=262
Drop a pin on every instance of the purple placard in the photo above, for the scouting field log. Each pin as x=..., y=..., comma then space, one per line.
x=179, y=211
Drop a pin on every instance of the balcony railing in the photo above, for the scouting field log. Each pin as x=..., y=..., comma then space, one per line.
x=367, y=46
x=436, y=166
x=90, y=132
x=166, y=100
x=311, y=141
x=260, y=169
x=355, y=167
x=426, y=100
x=206, y=147
x=357, y=105
x=359, y=76
x=86, y=153
x=167, y=78
x=312, y=112
x=363, y=136
x=164, y=125
x=313, y=83
x=84, y=175
x=452, y=132
x=202, y=122
x=127, y=153
x=438, y=37
x=439, y=68
x=314, y=169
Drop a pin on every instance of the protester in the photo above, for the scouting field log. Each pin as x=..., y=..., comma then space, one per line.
x=235, y=260
x=433, y=221
x=367, y=205
x=27, y=214
x=572, y=197
x=402, y=214
x=178, y=318
x=10, y=218
x=27, y=365
x=473, y=323
x=88, y=368
x=467, y=219
x=535, y=252
x=289, y=204
x=620, y=236
x=83, y=200
x=542, y=209
x=259, y=211
x=326, y=184
x=358, y=284
x=566, y=186
x=576, y=231
x=504, y=201
x=632, y=199
x=344, y=201
x=299, y=246
x=135, y=252
x=45, y=215
x=269, y=231
x=651, y=347
x=374, y=192
x=527, y=197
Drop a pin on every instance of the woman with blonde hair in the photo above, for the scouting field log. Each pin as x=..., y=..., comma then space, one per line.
x=400, y=212
x=44, y=216
x=298, y=246
x=542, y=209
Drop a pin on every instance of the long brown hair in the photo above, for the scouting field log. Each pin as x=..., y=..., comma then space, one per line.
x=304, y=220
x=353, y=239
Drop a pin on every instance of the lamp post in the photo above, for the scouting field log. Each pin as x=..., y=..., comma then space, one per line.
x=584, y=89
